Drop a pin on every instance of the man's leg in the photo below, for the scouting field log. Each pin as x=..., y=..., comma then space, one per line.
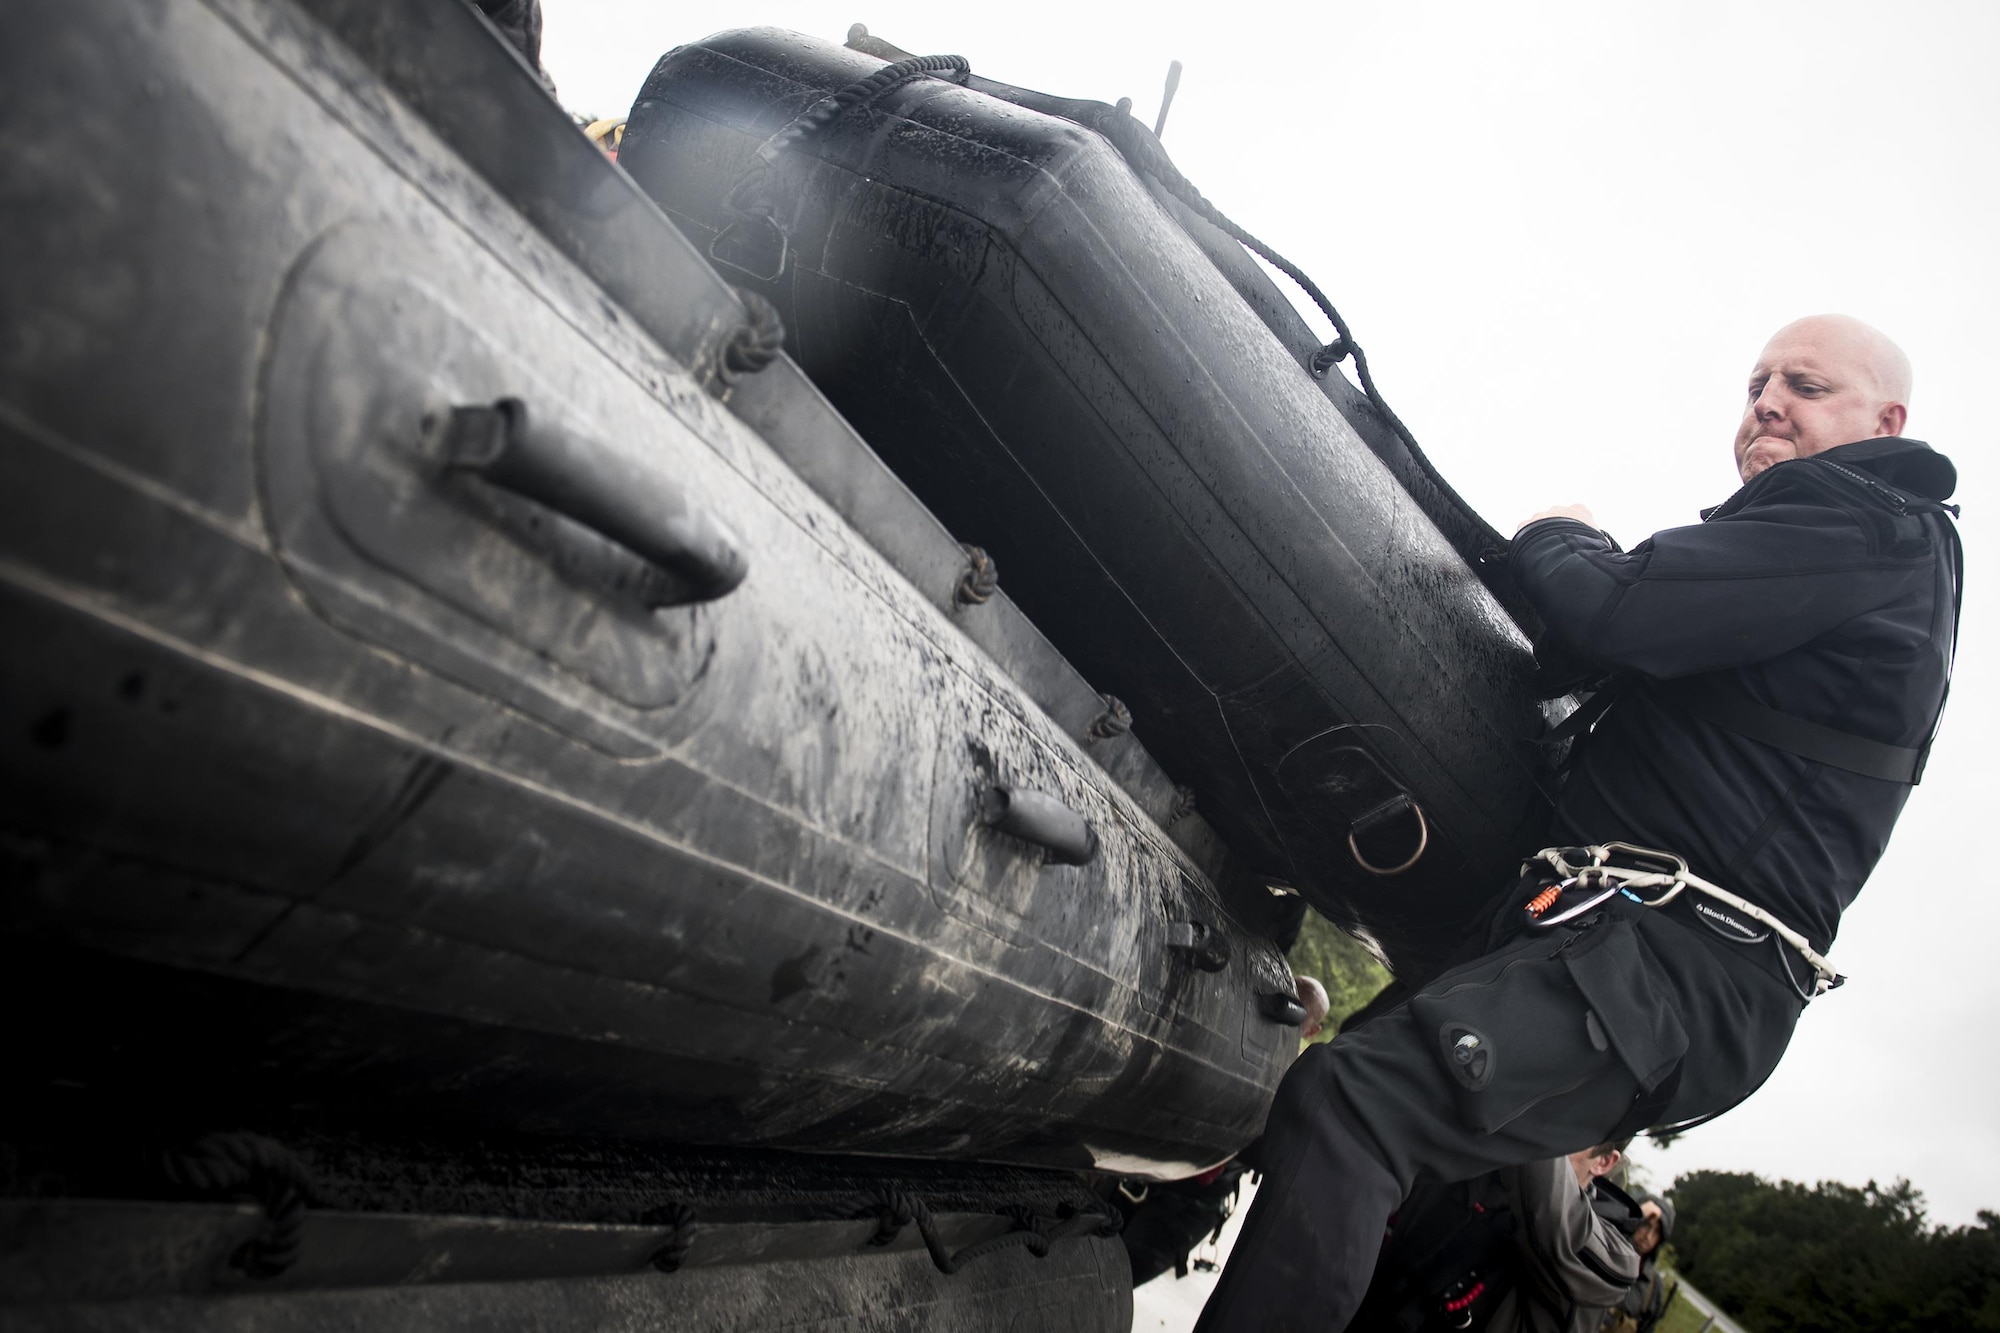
x=1287, y=1270
x=1503, y=1061
x=1336, y=1172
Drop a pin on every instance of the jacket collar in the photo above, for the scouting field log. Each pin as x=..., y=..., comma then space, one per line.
x=1908, y=465
x=1911, y=466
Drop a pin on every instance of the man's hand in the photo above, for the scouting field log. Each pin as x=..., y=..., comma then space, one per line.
x=1579, y=512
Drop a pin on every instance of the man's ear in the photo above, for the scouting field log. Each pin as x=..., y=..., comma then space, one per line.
x=1891, y=420
x=1611, y=1161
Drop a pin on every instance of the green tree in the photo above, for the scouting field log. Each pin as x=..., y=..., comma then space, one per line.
x=1831, y=1258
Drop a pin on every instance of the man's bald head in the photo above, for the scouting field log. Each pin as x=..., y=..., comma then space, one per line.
x=1821, y=382
x=1887, y=367
x=1313, y=996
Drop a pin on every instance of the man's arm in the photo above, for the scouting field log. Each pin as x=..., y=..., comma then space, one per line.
x=1722, y=594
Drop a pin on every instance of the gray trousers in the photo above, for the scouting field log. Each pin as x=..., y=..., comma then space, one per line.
x=1542, y=1047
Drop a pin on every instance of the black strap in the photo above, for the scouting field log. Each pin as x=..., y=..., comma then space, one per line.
x=1647, y=1107
x=1716, y=701
x=1585, y=716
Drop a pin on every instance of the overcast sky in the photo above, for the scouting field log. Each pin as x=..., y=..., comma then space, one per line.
x=1563, y=232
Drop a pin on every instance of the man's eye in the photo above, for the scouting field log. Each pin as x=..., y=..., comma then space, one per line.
x=1809, y=390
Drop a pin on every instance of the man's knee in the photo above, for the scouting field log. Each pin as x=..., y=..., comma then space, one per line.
x=1529, y=1052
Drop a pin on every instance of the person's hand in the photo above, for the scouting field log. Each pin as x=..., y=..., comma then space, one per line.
x=1579, y=512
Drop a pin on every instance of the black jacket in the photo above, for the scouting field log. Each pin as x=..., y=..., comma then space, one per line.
x=1825, y=588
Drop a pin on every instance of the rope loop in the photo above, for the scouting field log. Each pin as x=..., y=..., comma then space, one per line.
x=896, y=1209
x=1331, y=355
x=1115, y=720
x=980, y=580
x=261, y=1170
x=755, y=343
x=674, y=1252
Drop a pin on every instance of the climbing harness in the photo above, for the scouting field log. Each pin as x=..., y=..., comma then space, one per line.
x=1651, y=878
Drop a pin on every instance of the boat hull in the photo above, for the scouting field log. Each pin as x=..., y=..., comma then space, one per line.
x=441, y=797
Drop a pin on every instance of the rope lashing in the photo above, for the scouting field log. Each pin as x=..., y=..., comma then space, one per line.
x=1115, y=720
x=752, y=199
x=859, y=93
x=980, y=580
x=755, y=343
x=674, y=1251
x=1183, y=803
x=1145, y=154
x=261, y=1170
x=1331, y=355
x=896, y=1209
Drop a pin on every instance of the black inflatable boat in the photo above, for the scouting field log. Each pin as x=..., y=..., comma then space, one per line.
x=1066, y=369
x=488, y=758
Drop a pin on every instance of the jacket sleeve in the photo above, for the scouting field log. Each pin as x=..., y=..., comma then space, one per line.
x=1725, y=593
x=1581, y=1254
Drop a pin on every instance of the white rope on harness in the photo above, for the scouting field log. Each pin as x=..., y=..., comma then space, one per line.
x=1639, y=882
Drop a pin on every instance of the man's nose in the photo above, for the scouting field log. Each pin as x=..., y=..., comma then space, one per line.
x=1769, y=404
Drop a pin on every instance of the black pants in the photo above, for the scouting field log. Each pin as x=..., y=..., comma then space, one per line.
x=1540, y=1048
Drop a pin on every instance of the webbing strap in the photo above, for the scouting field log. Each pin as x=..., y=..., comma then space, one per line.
x=1586, y=714
x=1715, y=701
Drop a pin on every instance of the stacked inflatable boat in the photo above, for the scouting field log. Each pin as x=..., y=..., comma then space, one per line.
x=1065, y=375
x=513, y=814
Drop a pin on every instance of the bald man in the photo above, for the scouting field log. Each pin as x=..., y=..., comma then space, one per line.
x=1313, y=996
x=1764, y=686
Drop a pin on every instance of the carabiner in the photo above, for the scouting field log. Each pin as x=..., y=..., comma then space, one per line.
x=1605, y=890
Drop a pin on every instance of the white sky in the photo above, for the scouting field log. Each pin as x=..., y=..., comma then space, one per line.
x=1563, y=231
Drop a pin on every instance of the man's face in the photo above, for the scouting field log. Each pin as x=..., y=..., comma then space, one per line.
x=1817, y=385
x=1647, y=1238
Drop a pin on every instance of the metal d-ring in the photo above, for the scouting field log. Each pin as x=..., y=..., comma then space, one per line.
x=1423, y=841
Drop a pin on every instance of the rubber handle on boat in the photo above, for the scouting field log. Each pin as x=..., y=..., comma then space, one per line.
x=1039, y=818
x=1282, y=1008
x=582, y=480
